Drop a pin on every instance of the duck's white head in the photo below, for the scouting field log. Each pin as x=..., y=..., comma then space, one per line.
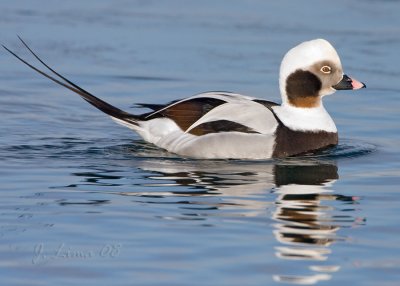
x=310, y=71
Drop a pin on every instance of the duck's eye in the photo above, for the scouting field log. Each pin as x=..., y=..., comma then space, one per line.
x=326, y=69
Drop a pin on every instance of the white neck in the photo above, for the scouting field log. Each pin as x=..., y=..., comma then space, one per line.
x=305, y=119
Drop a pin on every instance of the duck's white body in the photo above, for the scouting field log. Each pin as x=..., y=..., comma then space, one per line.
x=219, y=125
x=255, y=141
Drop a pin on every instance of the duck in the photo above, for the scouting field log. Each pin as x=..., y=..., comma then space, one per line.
x=227, y=125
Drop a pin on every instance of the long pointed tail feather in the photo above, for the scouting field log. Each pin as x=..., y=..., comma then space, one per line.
x=93, y=100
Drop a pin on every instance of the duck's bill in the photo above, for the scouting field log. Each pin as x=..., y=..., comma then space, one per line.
x=349, y=83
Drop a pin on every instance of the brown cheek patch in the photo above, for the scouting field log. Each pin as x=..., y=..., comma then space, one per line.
x=302, y=89
x=188, y=112
x=305, y=102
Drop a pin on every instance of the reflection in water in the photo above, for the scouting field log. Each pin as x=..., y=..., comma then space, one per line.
x=236, y=187
x=306, y=224
x=306, y=217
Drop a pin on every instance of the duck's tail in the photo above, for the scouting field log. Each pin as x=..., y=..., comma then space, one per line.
x=117, y=114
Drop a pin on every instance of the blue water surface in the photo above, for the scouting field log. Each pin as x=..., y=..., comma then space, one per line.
x=86, y=202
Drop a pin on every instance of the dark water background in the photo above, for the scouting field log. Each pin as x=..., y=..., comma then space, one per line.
x=86, y=202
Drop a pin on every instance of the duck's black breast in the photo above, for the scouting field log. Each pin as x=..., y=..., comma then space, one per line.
x=289, y=142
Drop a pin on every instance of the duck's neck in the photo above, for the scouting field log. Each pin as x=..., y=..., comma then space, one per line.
x=305, y=119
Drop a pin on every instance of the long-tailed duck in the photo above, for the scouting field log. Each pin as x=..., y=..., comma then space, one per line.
x=218, y=125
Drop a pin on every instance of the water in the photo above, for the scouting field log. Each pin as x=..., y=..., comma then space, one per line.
x=85, y=201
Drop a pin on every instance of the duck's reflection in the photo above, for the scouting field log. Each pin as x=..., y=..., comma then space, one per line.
x=304, y=207
x=306, y=224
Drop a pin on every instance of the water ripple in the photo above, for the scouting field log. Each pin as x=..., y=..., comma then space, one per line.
x=67, y=147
